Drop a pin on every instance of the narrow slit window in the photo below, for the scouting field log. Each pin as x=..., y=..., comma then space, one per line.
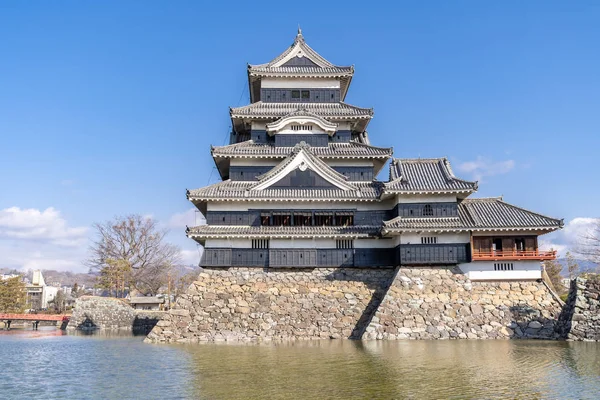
x=344, y=244
x=260, y=244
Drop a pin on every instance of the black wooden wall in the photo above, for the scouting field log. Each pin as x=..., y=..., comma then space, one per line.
x=268, y=95
x=419, y=254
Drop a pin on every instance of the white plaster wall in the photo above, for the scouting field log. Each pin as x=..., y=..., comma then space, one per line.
x=484, y=270
x=282, y=83
x=259, y=126
x=229, y=243
x=414, y=238
x=426, y=198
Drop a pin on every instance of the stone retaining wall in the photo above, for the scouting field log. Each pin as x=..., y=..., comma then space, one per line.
x=108, y=313
x=415, y=303
x=580, y=319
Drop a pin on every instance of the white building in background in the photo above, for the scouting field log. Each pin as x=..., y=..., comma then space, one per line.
x=39, y=295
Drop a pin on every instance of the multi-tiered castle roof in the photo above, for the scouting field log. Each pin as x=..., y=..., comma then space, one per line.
x=299, y=189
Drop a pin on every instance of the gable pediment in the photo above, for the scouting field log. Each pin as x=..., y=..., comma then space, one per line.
x=300, y=61
x=303, y=169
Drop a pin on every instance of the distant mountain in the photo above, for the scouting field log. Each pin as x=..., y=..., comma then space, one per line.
x=584, y=266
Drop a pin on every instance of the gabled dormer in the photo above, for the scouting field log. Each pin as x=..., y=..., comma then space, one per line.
x=302, y=169
x=299, y=74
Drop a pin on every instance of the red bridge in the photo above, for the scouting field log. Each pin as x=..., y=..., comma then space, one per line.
x=35, y=318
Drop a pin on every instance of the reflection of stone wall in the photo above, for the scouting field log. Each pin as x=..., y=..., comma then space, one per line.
x=580, y=319
x=111, y=314
x=418, y=303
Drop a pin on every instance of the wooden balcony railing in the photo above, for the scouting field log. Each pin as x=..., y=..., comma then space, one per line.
x=514, y=255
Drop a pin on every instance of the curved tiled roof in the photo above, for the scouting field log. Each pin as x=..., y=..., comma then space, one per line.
x=493, y=212
x=300, y=48
x=478, y=214
x=338, y=110
x=334, y=150
x=402, y=223
x=430, y=175
x=242, y=190
x=215, y=231
x=300, y=70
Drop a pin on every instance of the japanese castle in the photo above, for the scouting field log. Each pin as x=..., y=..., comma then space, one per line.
x=299, y=189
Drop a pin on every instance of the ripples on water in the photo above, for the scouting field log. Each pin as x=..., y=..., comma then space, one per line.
x=43, y=365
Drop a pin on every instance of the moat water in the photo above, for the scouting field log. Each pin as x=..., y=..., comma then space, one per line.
x=50, y=365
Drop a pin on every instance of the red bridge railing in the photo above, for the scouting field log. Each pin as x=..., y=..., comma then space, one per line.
x=33, y=317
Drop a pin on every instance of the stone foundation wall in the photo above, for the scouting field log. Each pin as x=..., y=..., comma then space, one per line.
x=108, y=313
x=580, y=319
x=415, y=303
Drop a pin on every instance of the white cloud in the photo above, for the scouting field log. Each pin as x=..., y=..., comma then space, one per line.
x=40, y=239
x=482, y=167
x=191, y=217
x=190, y=257
x=33, y=224
x=570, y=237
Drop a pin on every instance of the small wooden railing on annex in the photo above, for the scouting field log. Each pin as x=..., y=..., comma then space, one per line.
x=514, y=255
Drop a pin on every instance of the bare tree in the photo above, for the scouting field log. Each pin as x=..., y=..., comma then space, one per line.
x=131, y=251
x=589, y=244
x=572, y=266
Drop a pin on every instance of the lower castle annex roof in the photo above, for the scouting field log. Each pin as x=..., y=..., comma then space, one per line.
x=478, y=215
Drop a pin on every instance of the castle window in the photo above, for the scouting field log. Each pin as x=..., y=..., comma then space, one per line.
x=302, y=127
x=282, y=219
x=427, y=210
x=428, y=240
x=260, y=243
x=265, y=219
x=332, y=96
x=504, y=267
x=520, y=244
x=306, y=94
x=295, y=94
x=344, y=244
x=323, y=219
x=302, y=218
x=344, y=218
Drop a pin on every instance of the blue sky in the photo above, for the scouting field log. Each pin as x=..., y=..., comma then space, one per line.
x=110, y=108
